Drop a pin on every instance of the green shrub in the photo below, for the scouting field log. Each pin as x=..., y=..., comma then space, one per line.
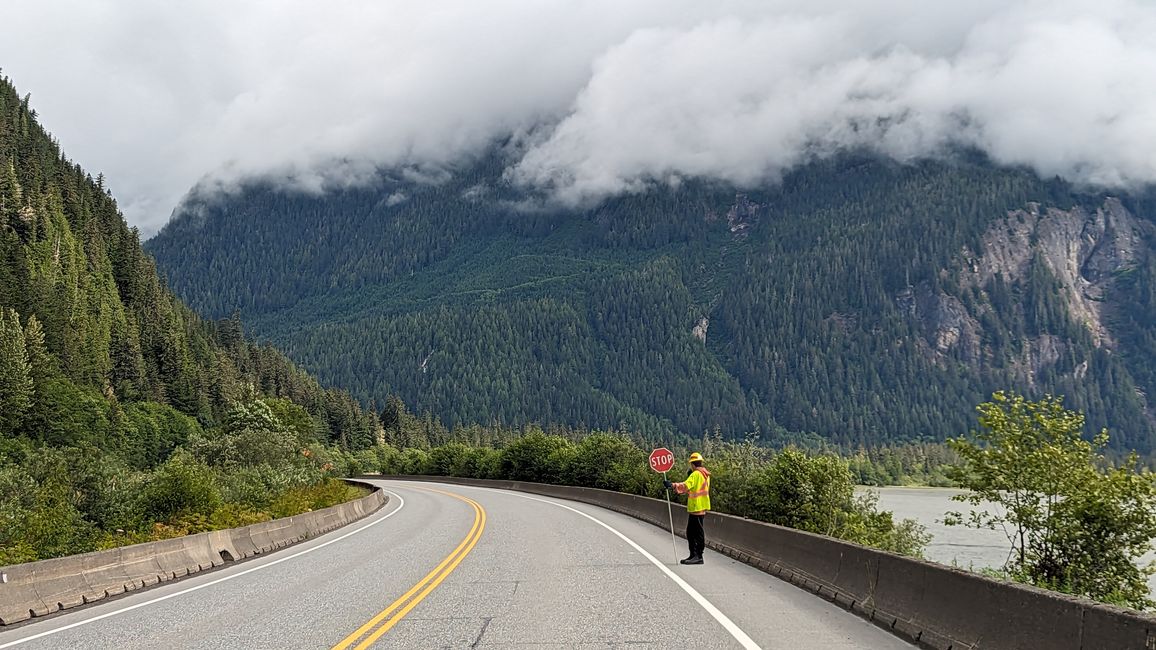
x=367, y=462
x=182, y=486
x=537, y=457
x=611, y=462
x=54, y=527
x=863, y=523
x=414, y=461
x=251, y=435
x=1078, y=522
x=329, y=492
x=235, y=515
x=452, y=459
x=389, y=459
x=488, y=464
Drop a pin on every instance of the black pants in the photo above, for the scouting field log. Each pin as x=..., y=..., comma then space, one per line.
x=695, y=534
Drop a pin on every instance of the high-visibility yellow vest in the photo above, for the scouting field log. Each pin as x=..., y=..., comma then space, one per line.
x=698, y=491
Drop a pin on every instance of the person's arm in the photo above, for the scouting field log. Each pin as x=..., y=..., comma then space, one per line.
x=692, y=483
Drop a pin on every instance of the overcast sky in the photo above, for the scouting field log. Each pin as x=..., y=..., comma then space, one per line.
x=608, y=95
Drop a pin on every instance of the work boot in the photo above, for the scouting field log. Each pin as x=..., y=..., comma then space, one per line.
x=694, y=559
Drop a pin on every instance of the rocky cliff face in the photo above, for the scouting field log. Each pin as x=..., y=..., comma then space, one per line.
x=945, y=323
x=700, y=328
x=740, y=217
x=1085, y=251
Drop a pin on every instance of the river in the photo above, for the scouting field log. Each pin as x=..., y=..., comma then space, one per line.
x=967, y=548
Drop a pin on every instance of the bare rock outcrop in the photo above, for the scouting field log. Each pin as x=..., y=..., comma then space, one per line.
x=947, y=326
x=1083, y=250
x=700, y=328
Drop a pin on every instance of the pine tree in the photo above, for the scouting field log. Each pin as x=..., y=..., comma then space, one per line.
x=15, y=374
x=11, y=195
x=40, y=361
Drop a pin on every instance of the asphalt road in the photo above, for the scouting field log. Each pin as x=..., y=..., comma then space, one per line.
x=432, y=570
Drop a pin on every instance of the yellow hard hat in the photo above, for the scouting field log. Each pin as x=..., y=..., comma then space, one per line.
x=696, y=457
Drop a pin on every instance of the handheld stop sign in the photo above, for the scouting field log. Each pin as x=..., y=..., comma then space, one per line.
x=662, y=460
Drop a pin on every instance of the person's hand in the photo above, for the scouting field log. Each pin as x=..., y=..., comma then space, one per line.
x=667, y=484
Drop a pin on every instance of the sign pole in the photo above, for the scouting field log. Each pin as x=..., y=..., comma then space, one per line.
x=670, y=514
x=662, y=460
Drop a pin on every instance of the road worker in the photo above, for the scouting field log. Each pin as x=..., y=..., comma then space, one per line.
x=696, y=487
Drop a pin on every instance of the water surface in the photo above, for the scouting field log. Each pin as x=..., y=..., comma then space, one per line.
x=967, y=548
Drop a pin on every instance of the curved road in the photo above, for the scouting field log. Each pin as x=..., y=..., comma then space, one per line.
x=445, y=566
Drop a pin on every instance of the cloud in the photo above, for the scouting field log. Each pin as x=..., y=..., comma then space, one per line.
x=607, y=96
x=1056, y=87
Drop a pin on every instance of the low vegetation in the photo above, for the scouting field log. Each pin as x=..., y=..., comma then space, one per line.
x=1077, y=522
x=256, y=466
x=791, y=487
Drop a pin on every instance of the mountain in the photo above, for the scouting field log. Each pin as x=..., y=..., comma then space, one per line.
x=94, y=348
x=857, y=300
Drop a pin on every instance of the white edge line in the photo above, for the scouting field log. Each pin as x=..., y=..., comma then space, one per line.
x=401, y=504
x=723, y=619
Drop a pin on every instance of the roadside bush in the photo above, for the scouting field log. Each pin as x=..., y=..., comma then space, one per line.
x=256, y=487
x=536, y=457
x=346, y=463
x=389, y=459
x=235, y=515
x=1078, y=522
x=17, y=500
x=245, y=486
x=58, y=501
x=733, y=464
x=252, y=435
x=489, y=463
x=328, y=493
x=800, y=491
x=414, y=461
x=182, y=486
x=103, y=486
x=610, y=462
x=863, y=523
x=367, y=462
x=452, y=459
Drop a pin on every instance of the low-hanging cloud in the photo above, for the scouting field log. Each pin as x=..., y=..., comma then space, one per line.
x=605, y=97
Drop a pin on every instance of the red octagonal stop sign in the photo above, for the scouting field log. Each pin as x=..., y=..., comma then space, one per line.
x=661, y=460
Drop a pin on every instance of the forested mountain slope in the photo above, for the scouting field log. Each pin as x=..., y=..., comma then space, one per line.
x=859, y=300
x=123, y=415
x=107, y=331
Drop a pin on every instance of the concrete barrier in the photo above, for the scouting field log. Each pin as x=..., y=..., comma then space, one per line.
x=933, y=605
x=41, y=588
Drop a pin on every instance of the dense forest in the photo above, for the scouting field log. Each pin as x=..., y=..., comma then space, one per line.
x=123, y=415
x=858, y=302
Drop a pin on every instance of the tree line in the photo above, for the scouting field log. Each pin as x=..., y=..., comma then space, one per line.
x=812, y=491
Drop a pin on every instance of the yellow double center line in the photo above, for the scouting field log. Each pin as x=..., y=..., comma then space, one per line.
x=380, y=624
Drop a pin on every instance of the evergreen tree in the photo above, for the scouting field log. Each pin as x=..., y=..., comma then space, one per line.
x=15, y=374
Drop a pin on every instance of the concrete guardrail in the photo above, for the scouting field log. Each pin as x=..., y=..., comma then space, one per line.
x=41, y=588
x=933, y=605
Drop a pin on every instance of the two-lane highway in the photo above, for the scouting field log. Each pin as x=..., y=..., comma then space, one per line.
x=446, y=566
